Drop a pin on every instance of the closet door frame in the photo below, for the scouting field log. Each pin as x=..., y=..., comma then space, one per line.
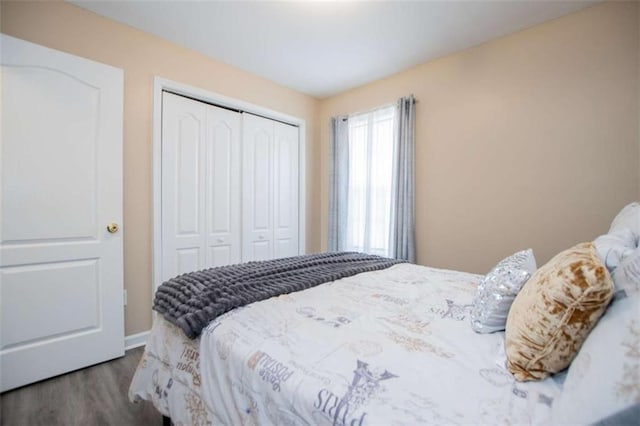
x=162, y=84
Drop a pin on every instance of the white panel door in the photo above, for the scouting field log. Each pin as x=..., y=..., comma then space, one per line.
x=183, y=135
x=61, y=274
x=223, y=190
x=257, y=188
x=200, y=186
x=285, y=199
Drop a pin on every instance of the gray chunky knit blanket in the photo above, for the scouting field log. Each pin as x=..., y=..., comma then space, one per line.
x=193, y=300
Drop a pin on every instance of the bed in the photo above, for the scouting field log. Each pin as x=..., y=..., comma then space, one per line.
x=391, y=346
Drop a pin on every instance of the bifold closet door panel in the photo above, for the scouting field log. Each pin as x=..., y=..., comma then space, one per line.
x=257, y=188
x=286, y=185
x=270, y=203
x=223, y=191
x=200, y=186
x=183, y=133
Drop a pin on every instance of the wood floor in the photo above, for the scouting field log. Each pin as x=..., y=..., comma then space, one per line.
x=93, y=396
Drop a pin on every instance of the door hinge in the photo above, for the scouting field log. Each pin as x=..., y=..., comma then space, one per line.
x=125, y=298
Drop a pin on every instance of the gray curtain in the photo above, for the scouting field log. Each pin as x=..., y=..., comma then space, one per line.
x=338, y=183
x=402, y=238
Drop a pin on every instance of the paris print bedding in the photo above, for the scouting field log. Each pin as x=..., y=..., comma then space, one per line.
x=387, y=347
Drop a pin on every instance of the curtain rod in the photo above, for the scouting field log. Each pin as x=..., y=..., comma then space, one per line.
x=415, y=101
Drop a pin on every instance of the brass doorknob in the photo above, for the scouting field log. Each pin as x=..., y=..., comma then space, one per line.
x=112, y=228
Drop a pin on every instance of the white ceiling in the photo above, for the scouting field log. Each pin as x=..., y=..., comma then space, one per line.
x=322, y=48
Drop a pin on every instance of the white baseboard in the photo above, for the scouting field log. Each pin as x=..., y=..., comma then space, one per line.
x=136, y=340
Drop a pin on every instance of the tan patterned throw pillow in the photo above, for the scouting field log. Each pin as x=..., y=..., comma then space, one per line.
x=554, y=312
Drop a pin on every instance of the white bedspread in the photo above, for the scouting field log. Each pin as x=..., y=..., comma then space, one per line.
x=382, y=348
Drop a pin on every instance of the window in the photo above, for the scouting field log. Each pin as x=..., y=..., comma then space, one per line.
x=369, y=181
x=371, y=190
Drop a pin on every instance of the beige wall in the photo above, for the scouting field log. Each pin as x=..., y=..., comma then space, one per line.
x=142, y=56
x=530, y=140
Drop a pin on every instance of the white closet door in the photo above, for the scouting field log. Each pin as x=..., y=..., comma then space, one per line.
x=183, y=135
x=200, y=186
x=270, y=189
x=223, y=190
x=257, y=188
x=61, y=274
x=286, y=181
